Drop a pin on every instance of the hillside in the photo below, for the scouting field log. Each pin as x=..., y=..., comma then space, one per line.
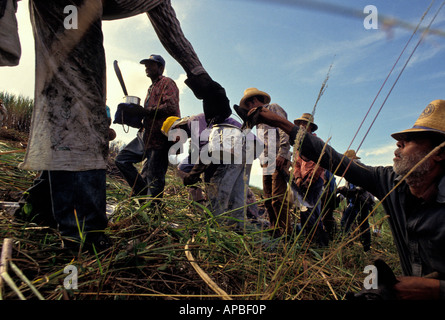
x=179, y=253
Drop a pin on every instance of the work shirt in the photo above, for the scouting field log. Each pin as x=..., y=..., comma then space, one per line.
x=196, y=125
x=279, y=146
x=418, y=227
x=69, y=129
x=162, y=101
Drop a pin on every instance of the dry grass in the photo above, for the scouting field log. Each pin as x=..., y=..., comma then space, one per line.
x=148, y=258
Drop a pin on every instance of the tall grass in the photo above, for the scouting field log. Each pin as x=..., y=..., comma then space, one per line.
x=179, y=252
x=19, y=111
x=154, y=255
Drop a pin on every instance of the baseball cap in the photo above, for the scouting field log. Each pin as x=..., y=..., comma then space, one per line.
x=156, y=58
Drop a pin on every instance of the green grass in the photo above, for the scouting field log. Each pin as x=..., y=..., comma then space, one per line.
x=19, y=109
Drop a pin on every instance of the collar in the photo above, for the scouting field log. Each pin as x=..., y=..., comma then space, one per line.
x=441, y=192
x=158, y=79
x=440, y=198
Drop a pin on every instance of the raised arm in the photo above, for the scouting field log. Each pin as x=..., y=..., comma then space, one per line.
x=312, y=148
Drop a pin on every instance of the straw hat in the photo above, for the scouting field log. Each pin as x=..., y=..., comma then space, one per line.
x=432, y=119
x=351, y=154
x=251, y=92
x=307, y=117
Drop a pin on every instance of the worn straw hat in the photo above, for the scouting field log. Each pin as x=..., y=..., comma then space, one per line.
x=432, y=119
x=251, y=92
x=307, y=117
x=351, y=154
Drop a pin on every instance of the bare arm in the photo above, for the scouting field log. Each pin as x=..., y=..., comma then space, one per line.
x=331, y=160
x=417, y=288
x=273, y=119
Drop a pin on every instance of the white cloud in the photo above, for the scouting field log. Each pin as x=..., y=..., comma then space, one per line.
x=380, y=155
x=343, y=54
x=425, y=53
x=180, y=83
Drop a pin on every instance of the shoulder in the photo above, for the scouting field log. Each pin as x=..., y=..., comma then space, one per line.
x=277, y=109
x=378, y=180
x=199, y=121
x=166, y=81
x=233, y=122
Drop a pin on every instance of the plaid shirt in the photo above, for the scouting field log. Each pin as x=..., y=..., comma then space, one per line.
x=163, y=101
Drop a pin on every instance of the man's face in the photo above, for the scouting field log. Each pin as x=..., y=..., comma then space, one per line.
x=153, y=69
x=304, y=124
x=408, y=153
x=250, y=103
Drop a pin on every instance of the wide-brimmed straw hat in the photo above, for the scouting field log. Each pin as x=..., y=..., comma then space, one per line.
x=252, y=92
x=432, y=119
x=351, y=154
x=307, y=117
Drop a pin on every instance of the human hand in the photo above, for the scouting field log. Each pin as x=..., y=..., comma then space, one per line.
x=132, y=109
x=263, y=115
x=111, y=134
x=417, y=288
x=299, y=182
x=281, y=163
x=241, y=112
x=191, y=179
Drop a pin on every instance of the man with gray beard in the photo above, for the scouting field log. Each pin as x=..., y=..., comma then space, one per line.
x=404, y=163
x=412, y=193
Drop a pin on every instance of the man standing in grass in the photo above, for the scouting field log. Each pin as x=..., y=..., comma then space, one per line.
x=308, y=176
x=275, y=159
x=151, y=145
x=226, y=178
x=412, y=192
x=69, y=131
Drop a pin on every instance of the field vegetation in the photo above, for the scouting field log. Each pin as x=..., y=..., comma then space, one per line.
x=179, y=252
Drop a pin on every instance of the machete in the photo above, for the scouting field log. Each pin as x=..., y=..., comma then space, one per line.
x=119, y=77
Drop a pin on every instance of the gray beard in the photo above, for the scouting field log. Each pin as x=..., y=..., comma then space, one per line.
x=406, y=163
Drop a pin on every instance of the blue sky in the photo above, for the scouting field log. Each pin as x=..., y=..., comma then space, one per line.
x=285, y=49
